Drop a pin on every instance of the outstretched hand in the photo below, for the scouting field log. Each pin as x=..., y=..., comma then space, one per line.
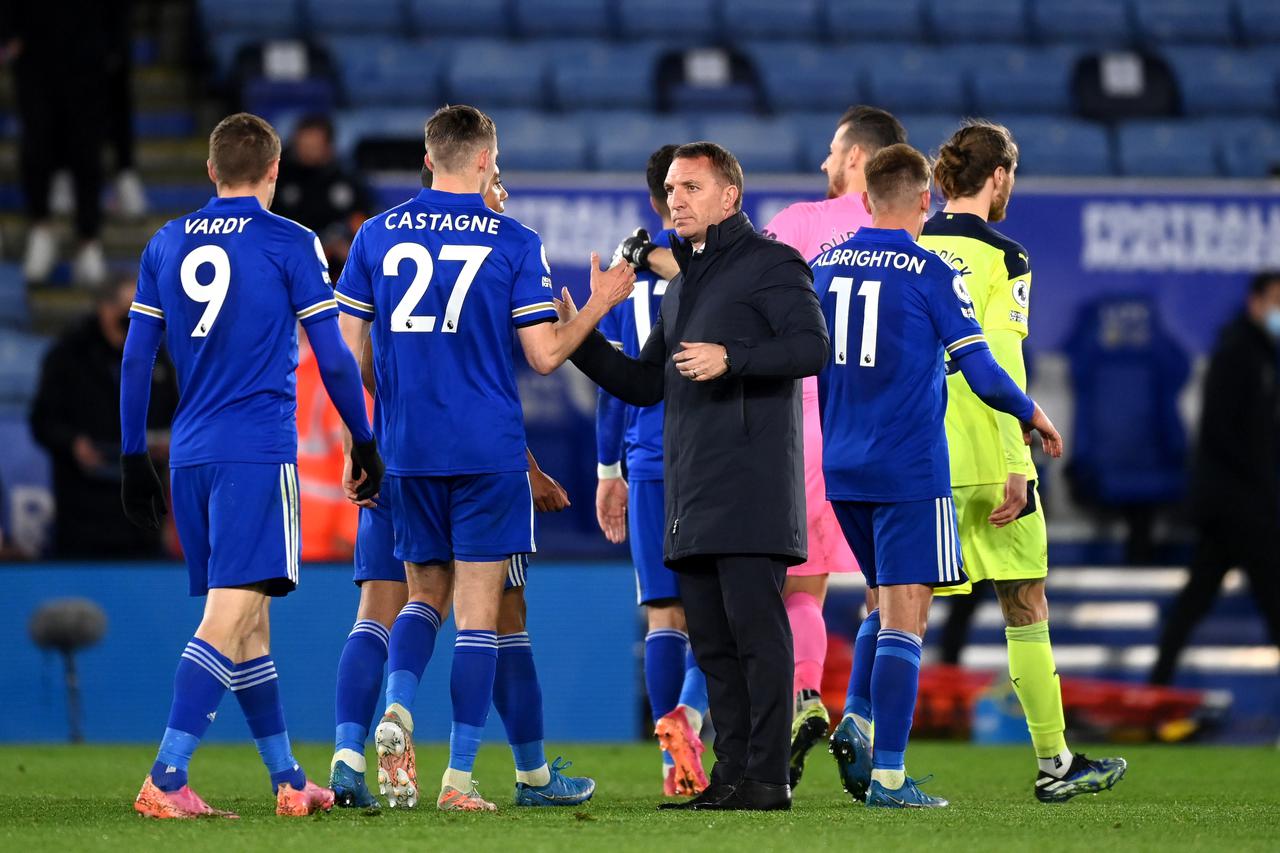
x=1050, y=438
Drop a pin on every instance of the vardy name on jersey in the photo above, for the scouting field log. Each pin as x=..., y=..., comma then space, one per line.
x=230, y=283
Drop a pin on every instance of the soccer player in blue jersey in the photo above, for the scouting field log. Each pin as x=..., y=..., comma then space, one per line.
x=677, y=689
x=391, y=629
x=447, y=280
x=225, y=288
x=893, y=310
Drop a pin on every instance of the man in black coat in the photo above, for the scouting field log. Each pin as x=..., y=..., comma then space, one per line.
x=739, y=327
x=76, y=417
x=1236, y=477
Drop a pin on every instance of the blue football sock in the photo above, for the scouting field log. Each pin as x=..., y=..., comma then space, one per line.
x=413, y=639
x=257, y=689
x=894, y=682
x=693, y=693
x=203, y=676
x=518, y=697
x=858, y=698
x=475, y=659
x=665, y=652
x=359, y=679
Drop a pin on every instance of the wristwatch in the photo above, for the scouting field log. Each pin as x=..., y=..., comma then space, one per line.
x=728, y=365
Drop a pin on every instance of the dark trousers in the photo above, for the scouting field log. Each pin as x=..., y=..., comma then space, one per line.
x=62, y=125
x=1223, y=545
x=741, y=640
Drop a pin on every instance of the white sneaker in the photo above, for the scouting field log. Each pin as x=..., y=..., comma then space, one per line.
x=62, y=194
x=131, y=196
x=42, y=253
x=90, y=268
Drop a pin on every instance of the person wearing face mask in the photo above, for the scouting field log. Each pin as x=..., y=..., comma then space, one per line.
x=76, y=418
x=1235, y=484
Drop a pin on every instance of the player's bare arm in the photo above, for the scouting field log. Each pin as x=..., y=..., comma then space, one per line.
x=549, y=345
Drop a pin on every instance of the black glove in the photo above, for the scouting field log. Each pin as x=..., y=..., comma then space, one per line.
x=365, y=459
x=141, y=491
x=636, y=248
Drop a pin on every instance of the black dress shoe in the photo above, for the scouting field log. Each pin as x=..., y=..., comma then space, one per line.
x=706, y=800
x=753, y=796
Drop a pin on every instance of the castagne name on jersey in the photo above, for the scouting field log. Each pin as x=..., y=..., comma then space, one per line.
x=871, y=258
x=442, y=222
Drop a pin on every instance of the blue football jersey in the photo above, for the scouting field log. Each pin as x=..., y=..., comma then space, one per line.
x=444, y=281
x=627, y=327
x=230, y=283
x=893, y=309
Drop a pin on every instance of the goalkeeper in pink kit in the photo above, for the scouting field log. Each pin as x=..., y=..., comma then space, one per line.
x=812, y=228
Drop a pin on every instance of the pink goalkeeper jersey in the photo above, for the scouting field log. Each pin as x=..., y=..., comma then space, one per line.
x=811, y=228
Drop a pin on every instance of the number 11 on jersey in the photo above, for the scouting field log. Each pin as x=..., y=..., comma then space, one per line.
x=842, y=287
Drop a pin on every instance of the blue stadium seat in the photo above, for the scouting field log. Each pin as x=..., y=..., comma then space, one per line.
x=606, y=76
x=480, y=18
x=562, y=18
x=1173, y=149
x=338, y=17
x=540, y=142
x=760, y=144
x=351, y=126
x=1249, y=147
x=1101, y=23
x=376, y=70
x=1259, y=20
x=913, y=79
x=13, y=297
x=1184, y=21
x=489, y=73
x=866, y=20
x=261, y=20
x=815, y=130
x=1061, y=146
x=21, y=356
x=1223, y=81
x=677, y=21
x=800, y=75
x=624, y=141
x=753, y=19
x=1129, y=444
x=1023, y=80
x=927, y=132
x=977, y=20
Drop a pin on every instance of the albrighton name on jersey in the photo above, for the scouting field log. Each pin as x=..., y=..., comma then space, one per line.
x=445, y=282
x=893, y=309
x=230, y=282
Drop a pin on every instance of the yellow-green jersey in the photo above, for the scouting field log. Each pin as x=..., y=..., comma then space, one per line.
x=985, y=445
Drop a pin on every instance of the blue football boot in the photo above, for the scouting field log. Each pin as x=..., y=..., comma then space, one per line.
x=909, y=796
x=1085, y=776
x=562, y=790
x=853, y=758
x=350, y=791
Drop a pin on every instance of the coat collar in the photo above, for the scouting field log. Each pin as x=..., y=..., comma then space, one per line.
x=719, y=237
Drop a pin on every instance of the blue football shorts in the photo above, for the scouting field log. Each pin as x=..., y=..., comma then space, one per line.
x=238, y=524
x=375, y=558
x=910, y=542
x=646, y=522
x=477, y=518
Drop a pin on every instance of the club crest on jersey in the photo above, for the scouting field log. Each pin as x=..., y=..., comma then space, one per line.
x=1021, y=293
x=962, y=292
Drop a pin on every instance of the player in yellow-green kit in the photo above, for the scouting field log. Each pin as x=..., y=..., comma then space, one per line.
x=1000, y=519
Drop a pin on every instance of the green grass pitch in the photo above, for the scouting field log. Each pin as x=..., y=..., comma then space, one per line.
x=1185, y=798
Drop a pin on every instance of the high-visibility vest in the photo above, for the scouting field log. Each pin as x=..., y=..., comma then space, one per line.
x=328, y=518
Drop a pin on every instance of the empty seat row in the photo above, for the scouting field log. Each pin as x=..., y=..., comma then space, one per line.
x=622, y=141
x=1099, y=21
x=573, y=74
